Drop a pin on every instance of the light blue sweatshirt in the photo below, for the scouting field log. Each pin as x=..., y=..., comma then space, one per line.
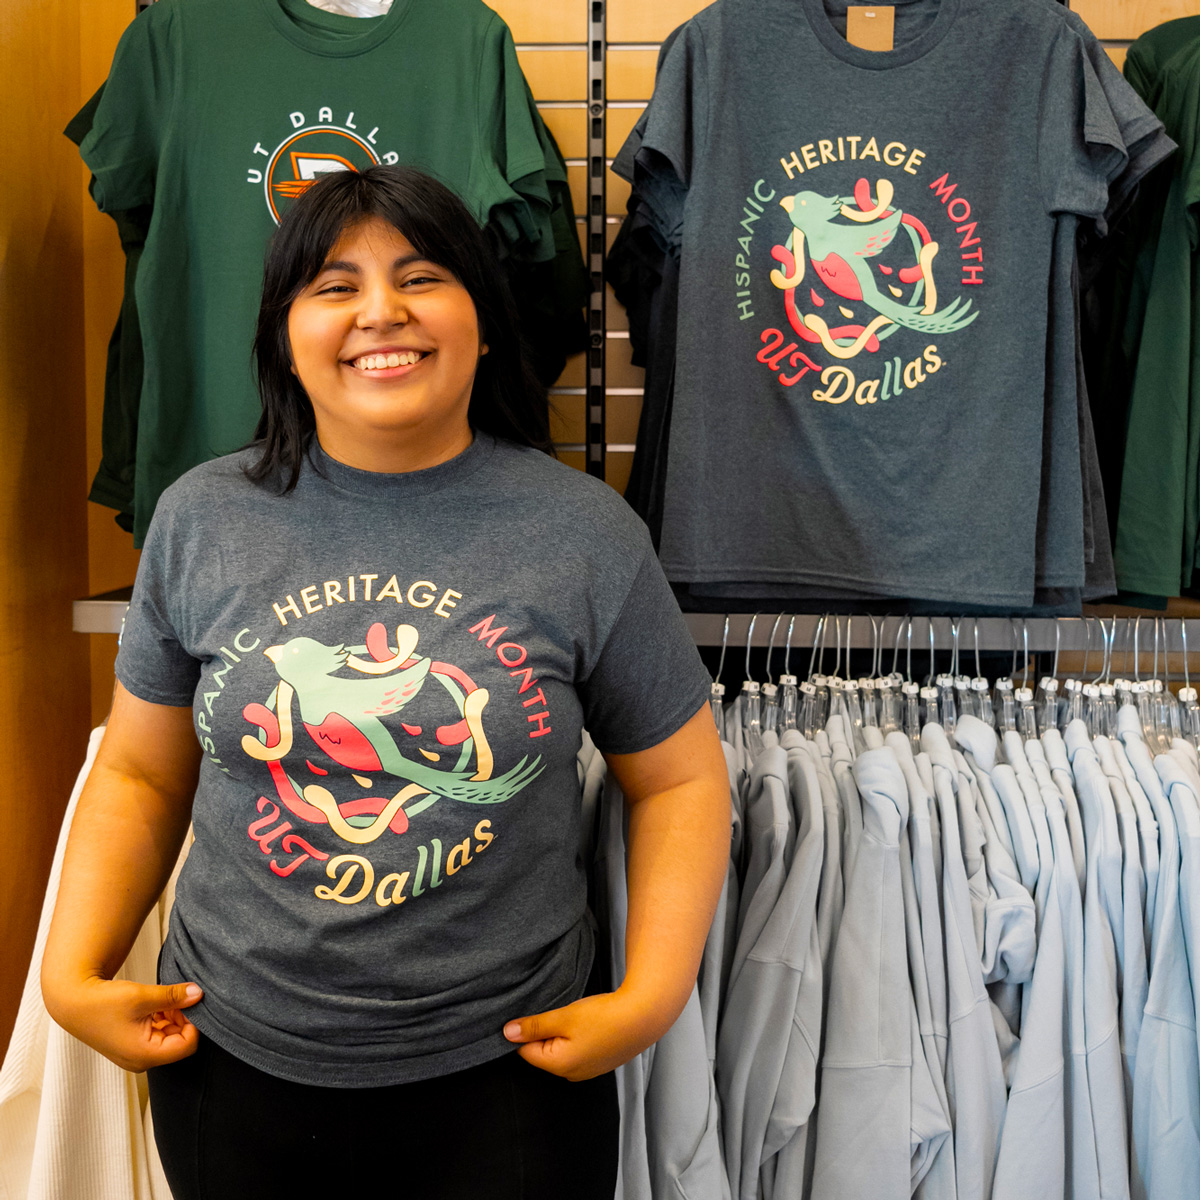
x=864, y=1126
x=770, y=1035
x=1165, y=1138
x=974, y=1074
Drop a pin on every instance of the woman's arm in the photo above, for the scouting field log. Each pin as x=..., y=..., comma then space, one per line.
x=678, y=798
x=129, y=825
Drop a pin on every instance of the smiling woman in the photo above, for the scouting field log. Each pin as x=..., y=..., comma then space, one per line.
x=382, y=923
x=387, y=262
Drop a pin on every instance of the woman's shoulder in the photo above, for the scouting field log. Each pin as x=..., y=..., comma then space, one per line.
x=582, y=505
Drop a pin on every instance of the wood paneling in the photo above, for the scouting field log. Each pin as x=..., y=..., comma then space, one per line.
x=539, y=21
x=43, y=528
x=1124, y=20
x=555, y=74
x=637, y=21
x=1117, y=54
x=630, y=74
x=569, y=126
x=618, y=126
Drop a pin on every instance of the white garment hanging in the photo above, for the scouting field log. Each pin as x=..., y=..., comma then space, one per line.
x=72, y=1123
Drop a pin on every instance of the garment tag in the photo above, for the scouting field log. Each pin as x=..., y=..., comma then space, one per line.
x=870, y=27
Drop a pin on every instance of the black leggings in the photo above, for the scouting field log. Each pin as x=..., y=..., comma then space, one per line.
x=500, y=1131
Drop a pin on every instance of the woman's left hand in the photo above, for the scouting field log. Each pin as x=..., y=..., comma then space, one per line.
x=594, y=1035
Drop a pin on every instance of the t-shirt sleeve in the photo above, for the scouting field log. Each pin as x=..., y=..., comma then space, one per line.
x=648, y=679
x=152, y=662
x=511, y=141
x=1080, y=147
x=676, y=120
x=122, y=147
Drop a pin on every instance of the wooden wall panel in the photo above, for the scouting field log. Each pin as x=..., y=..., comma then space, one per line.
x=555, y=74
x=1124, y=20
x=569, y=126
x=631, y=74
x=43, y=528
x=539, y=21
x=637, y=21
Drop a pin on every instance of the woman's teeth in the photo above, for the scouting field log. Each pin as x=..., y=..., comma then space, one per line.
x=379, y=362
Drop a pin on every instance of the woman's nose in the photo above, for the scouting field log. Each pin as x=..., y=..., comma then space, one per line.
x=382, y=307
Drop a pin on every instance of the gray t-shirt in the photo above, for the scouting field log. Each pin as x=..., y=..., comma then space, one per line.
x=389, y=676
x=864, y=291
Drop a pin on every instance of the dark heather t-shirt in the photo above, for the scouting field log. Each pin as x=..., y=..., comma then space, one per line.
x=889, y=438
x=389, y=676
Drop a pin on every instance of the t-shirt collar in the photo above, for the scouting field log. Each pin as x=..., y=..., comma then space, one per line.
x=333, y=34
x=402, y=483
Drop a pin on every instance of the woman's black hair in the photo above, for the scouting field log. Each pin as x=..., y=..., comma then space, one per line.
x=507, y=399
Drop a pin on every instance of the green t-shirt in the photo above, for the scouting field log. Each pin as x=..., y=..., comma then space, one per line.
x=1158, y=522
x=219, y=113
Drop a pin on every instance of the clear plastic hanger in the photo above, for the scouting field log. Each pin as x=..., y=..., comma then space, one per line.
x=868, y=684
x=962, y=683
x=751, y=702
x=770, y=690
x=1005, y=703
x=1046, y=699
x=807, y=720
x=716, y=696
x=1189, y=713
x=789, y=698
x=891, y=705
x=981, y=693
x=912, y=697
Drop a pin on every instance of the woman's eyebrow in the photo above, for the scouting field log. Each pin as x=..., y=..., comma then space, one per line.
x=354, y=269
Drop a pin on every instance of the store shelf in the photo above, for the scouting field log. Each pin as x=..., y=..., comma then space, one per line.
x=101, y=614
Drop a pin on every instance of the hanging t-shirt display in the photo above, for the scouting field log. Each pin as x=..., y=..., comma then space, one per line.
x=386, y=862
x=860, y=378
x=221, y=112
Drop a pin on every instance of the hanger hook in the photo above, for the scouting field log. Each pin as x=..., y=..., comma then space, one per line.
x=1057, y=644
x=908, y=661
x=749, y=637
x=724, y=645
x=975, y=626
x=771, y=647
x=896, y=646
x=1025, y=639
x=954, y=628
x=875, y=634
x=1103, y=650
x=824, y=637
x=812, y=660
x=1137, y=656
x=1087, y=645
x=787, y=654
x=837, y=633
x=932, y=651
x=1183, y=637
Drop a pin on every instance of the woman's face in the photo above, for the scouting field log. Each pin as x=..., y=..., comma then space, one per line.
x=386, y=344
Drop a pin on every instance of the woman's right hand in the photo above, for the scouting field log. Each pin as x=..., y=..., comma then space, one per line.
x=135, y=1025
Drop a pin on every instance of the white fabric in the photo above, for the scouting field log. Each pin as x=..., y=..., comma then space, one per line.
x=73, y=1124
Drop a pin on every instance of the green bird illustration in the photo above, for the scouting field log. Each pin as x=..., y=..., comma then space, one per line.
x=343, y=716
x=839, y=254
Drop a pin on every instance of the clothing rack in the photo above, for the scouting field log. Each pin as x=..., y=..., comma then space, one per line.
x=1091, y=635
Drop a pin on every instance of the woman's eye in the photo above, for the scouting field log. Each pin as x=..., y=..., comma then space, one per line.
x=333, y=288
x=418, y=279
